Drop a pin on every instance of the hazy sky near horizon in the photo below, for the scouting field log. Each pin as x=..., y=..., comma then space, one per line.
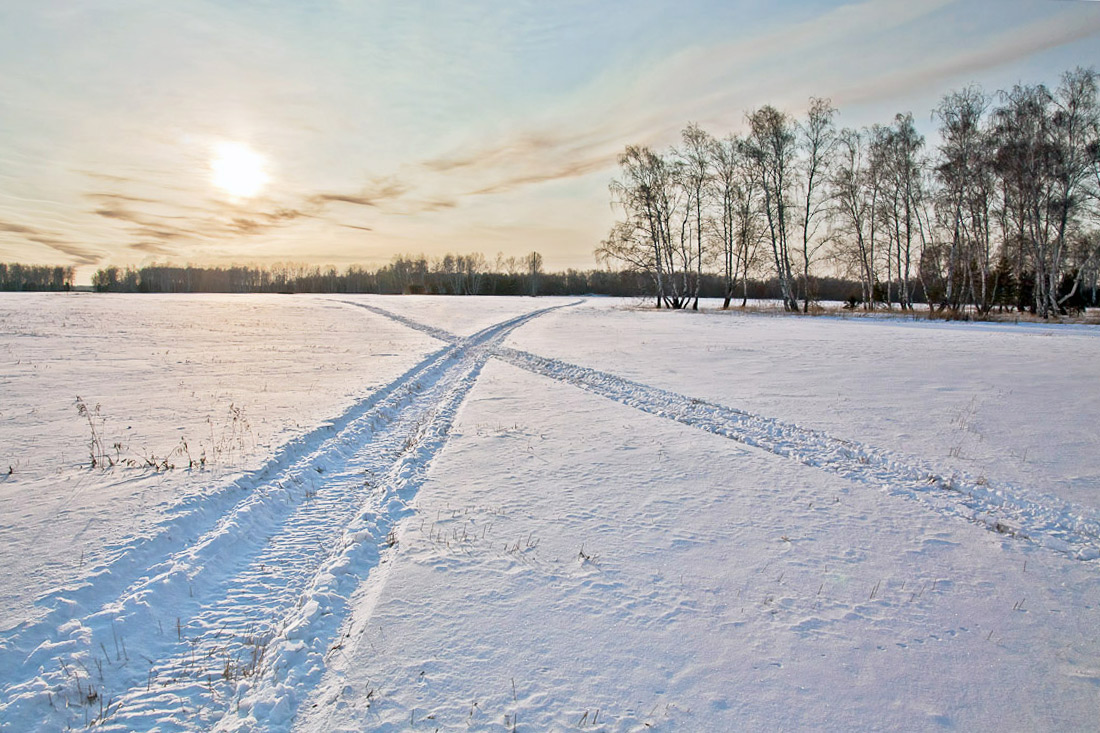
x=347, y=132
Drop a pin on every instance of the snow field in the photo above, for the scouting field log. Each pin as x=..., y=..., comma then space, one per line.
x=258, y=573
x=234, y=377
x=622, y=520
x=451, y=319
x=608, y=560
x=1012, y=403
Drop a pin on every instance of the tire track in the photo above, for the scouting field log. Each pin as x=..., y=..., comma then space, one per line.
x=192, y=517
x=1002, y=508
x=437, y=333
x=240, y=618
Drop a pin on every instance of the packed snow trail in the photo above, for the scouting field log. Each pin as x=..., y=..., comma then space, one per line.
x=250, y=608
x=1046, y=520
x=438, y=333
x=1040, y=518
x=189, y=518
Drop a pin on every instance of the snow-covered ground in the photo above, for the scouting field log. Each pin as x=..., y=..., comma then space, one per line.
x=545, y=514
x=234, y=378
x=1017, y=402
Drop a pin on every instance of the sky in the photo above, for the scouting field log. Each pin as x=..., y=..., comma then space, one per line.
x=216, y=132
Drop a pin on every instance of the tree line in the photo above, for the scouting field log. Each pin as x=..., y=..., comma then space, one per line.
x=14, y=276
x=469, y=274
x=448, y=275
x=1002, y=214
x=417, y=275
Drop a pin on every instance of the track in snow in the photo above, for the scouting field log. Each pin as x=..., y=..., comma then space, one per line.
x=225, y=617
x=1043, y=519
x=256, y=600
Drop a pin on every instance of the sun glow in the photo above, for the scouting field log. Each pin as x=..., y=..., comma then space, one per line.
x=238, y=170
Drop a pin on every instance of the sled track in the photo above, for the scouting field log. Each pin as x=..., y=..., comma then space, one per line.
x=1043, y=519
x=254, y=603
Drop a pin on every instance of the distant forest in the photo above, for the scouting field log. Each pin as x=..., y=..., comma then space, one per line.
x=1005, y=213
x=448, y=275
x=14, y=276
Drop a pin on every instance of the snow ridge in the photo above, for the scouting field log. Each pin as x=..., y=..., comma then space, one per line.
x=243, y=615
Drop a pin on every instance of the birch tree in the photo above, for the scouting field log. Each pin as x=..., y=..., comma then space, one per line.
x=904, y=193
x=695, y=168
x=653, y=235
x=1046, y=146
x=963, y=171
x=817, y=138
x=737, y=223
x=856, y=192
x=772, y=148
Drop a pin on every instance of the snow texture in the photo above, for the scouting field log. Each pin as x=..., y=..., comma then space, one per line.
x=533, y=524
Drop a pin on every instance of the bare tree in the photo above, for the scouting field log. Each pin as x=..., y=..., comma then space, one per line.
x=856, y=193
x=772, y=147
x=904, y=189
x=1076, y=141
x=1021, y=157
x=625, y=245
x=534, y=272
x=655, y=233
x=1046, y=146
x=695, y=166
x=817, y=138
x=963, y=171
x=738, y=222
x=1007, y=207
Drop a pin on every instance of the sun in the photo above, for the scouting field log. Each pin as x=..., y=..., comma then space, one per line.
x=237, y=170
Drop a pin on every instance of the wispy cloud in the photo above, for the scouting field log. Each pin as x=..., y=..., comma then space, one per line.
x=152, y=248
x=390, y=196
x=374, y=193
x=565, y=171
x=528, y=157
x=167, y=228
x=16, y=228
x=1015, y=44
x=80, y=254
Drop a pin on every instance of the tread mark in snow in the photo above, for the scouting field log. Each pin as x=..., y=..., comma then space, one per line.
x=257, y=599
x=1043, y=519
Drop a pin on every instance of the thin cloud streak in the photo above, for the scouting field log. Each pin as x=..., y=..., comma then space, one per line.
x=1014, y=45
x=80, y=254
x=565, y=172
x=172, y=234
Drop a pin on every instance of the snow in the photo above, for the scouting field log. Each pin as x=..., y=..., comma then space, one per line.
x=545, y=514
x=728, y=589
x=1014, y=402
x=236, y=377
